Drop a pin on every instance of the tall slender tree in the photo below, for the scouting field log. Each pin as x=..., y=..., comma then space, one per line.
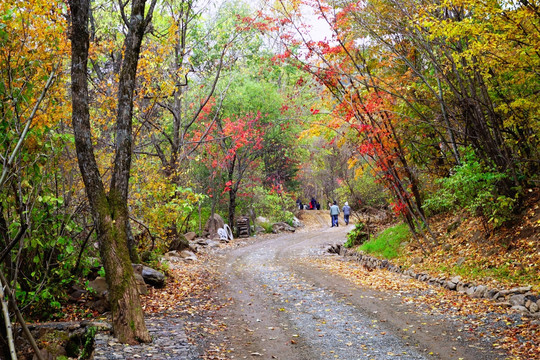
x=109, y=208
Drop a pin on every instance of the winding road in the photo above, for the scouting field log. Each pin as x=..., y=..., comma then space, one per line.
x=282, y=306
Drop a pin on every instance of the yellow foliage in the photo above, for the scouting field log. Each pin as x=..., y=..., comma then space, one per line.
x=32, y=43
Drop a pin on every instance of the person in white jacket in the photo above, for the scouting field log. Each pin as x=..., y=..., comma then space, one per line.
x=346, y=213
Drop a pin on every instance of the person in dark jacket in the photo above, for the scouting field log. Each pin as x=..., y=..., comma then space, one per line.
x=346, y=213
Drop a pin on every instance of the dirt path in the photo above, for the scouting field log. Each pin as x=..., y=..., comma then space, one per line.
x=281, y=306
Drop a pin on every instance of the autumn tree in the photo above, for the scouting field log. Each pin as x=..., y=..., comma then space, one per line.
x=109, y=208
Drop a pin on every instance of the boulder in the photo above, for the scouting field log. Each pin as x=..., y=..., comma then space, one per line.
x=137, y=268
x=480, y=291
x=188, y=256
x=99, y=285
x=297, y=223
x=281, y=227
x=172, y=256
x=143, y=290
x=451, y=285
x=100, y=305
x=215, y=222
x=179, y=244
x=190, y=236
x=153, y=277
x=517, y=300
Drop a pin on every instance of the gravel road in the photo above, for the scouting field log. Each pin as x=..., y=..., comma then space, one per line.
x=281, y=306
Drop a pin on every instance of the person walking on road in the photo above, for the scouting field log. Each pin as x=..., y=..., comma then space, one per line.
x=346, y=213
x=334, y=213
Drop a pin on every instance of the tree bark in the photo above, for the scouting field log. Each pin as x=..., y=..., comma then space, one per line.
x=110, y=211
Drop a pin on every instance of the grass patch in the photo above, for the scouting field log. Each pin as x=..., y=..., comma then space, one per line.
x=388, y=242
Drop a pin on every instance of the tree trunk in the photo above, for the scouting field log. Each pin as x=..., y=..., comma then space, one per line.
x=110, y=211
x=232, y=206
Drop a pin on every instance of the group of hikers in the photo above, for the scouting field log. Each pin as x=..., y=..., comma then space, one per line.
x=334, y=210
x=312, y=205
x=334, y=213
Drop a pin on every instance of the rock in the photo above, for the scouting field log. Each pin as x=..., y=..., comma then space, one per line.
x=520, y=290
x=493, y=294
x=460, y=261
x=456, y=279
x=504, y=304
x=297, y=223
x=179, y=244
x=451, y=285
x=138, y=278
x=99, y=285
x=480, y=291
x=213, y=244
x=261, y=219
x=140, y=282
x=137, y=268
x=172, y=256
x=531, y=305
x=259, y=229
x=417, y=260
x=201, y=241
x=470, y=291
x=281, y=227
x=187, y=255
x=153, y=277
x=101, y=305
x=193, y=247
x=521, y=309
x=517, y=300
x=143, y=290
x=76, y=295
x=213, y=224
x=190, y=236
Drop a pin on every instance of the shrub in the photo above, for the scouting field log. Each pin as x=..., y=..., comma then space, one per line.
x=473, y=186
x=357, y=236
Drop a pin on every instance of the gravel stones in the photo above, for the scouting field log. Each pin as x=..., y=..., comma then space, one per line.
x=169, y=342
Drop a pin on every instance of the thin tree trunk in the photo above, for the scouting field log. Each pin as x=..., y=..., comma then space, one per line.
x=9, y=329
x=15, y=308
x=110, y=211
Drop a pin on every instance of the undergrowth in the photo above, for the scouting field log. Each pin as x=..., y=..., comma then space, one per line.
x=388, y=242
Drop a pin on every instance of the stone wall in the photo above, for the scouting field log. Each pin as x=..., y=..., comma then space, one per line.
x=518, y=298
